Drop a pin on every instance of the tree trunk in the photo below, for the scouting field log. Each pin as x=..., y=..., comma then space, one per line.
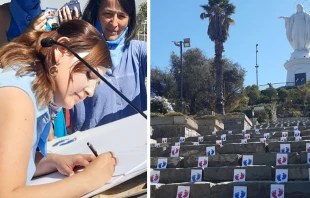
x=192, y=110
x=219, y=102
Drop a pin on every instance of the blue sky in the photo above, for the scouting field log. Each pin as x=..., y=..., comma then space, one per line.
x=257, y=22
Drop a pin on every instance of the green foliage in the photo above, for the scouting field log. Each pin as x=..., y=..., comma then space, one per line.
x=170, y=114
x=156, y=114
x=141, y=16
x=253, y=93
x=282, y=94
x=163, y=83
x=196, y=78
x=160, y=105
x=269, y=95
x=269, y=114
x=233, y=76
x=199, y=81
x=262, y=116
x=218, y=12
x=207, y=117
x=296, y=113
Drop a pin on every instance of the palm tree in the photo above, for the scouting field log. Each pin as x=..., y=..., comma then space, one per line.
x=218, y=12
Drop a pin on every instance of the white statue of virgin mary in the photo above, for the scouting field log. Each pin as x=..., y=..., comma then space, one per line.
x=298, y=29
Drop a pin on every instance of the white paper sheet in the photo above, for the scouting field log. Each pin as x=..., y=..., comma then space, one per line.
x=127, y=138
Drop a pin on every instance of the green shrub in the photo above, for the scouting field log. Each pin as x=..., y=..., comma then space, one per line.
x=156, y=114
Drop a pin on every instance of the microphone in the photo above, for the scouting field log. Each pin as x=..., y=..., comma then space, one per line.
x=48, y=42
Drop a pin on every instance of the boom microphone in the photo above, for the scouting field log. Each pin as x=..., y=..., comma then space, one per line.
x=48, y=42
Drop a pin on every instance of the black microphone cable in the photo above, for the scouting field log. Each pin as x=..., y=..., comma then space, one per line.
x=48, y=42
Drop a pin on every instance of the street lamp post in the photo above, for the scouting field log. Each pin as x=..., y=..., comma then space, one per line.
x=144, y=23
x=256, y=66
x=186, y=43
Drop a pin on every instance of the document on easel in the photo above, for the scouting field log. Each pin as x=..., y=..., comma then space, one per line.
x=127, y=140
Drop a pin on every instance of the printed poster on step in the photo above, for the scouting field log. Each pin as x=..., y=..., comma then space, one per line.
x=281, y=175
x=285, y=148
x=284, y=134
x=247, y=160
x=183, y=192
x=247, y=136
x=155, y=175
x=281, y=159
x=175, y=151
x=239, y=175
x=203, y=162
x=308, y=147
x=240, y=192
x=262, y=140
x=223, y=137
x=277, y=190
x=210, y=150
x=219, y=142
x=196, y=175
x=267, y=135
x=162, y=163
x=244, y=141
x=296, y=133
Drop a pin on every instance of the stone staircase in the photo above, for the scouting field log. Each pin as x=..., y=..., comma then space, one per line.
x=224, y=165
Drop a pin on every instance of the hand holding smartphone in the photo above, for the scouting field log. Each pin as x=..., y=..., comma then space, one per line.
x=69, y=10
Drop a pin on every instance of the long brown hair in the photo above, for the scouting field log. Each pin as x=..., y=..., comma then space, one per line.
x=26, y=50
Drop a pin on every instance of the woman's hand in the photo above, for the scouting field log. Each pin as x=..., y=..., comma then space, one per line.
x=101, y=169
x=38, y=23
x=66, y=164
x=64, y=14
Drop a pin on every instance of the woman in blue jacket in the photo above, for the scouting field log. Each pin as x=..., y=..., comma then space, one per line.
x=116, y=20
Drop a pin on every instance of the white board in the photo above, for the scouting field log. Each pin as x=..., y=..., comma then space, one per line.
x=123, y=137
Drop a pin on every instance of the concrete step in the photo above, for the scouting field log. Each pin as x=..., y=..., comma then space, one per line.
x=215, y=174
x=201, y=149
x=226, y=173
x=215, y=137
x=261, y=189
x=219, y=160
x=175, y=175
x=295, y=146
x=296, y=172
x=255, y=189
x=214, y=160
x=271, y=158
x=172, y=162
x=273, y=135
x=303, y=157
x=198, y=189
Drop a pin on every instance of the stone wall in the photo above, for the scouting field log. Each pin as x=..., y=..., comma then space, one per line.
x=174, y=126
x=236, y=122
x=206, y=126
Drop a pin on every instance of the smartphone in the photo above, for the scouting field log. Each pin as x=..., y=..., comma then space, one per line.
x=52, y=18
x=71, y=5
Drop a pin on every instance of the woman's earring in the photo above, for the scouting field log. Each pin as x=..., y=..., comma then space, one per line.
x=53, y=70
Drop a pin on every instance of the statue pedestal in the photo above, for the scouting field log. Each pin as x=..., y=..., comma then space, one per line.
x=300, y=54
x=298, y=71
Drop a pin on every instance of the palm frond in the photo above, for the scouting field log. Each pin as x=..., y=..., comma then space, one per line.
x=207, y=8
